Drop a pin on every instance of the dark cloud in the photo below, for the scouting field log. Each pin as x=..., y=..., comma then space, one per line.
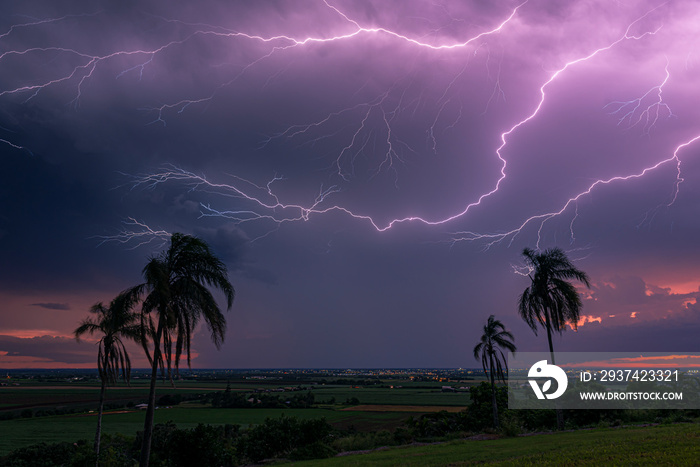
x=305, y=166
x=52, y=348
x=53, y=306
x=227, y=241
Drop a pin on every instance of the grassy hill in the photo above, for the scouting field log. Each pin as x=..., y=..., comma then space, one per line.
x=677, y=444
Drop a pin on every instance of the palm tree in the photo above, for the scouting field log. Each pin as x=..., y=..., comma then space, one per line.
x=551, y=300
x=175, y=297
x=493, y=361
x=113, y=323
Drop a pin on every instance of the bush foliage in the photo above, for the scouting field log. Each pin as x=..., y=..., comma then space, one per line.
x=229, y=445
x=294, y=439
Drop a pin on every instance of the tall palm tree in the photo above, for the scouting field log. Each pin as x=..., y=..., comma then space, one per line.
x=175, y=296
x=113, y=323
x=493, y=361
x=551, y=300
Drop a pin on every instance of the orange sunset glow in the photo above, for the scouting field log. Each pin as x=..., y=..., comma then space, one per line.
x=665, y=361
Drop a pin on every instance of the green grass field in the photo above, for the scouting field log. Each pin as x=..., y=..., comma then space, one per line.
x=36, y=394
x=26, y=431
x=675, y=445
x=83, y=396
x=662, y=445
x=52, y=394
x=385, y=396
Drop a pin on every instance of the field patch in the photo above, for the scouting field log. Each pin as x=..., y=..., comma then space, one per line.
x=52, y=396
x=403, y=408
x=399, y=396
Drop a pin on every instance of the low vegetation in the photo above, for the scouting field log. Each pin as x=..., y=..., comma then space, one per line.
x=675, y=444
x=238, y=436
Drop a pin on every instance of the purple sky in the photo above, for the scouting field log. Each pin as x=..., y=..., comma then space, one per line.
x=369, y=171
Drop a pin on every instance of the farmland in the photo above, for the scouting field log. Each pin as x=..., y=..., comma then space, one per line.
x=366, y=410
x=59, y=408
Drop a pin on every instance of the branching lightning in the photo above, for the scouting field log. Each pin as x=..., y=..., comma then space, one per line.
x=135, y=234
x=261, y=202
x=634, y=112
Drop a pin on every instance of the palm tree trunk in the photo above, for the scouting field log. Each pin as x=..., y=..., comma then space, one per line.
x=560, y=412
x=150, y=411
x=98, y=434
x=493, y=395
x=549, y=335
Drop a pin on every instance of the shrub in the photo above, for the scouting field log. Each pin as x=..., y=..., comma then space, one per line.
x=46, y=455
x=538, y=419
x=480, y=412
x=439, y=424
x=283, y=436
x=202, y=445
x=117, y=451
x=510, y=424
x=170, y=399
x=403, y=436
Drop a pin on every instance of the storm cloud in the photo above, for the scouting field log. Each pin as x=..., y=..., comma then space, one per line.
x=369, y=171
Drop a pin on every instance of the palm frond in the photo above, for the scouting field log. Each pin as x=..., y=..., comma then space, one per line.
x=551, y=300
x=494, y=338
x=175, y=297
x=112, y=322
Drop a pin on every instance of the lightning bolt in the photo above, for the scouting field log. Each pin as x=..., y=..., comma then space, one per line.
x=543, y=218
x=634, y=112
x=276, y=211
x=135, y=234
x=260, y=202
x=287, y=42
x=13, y=145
